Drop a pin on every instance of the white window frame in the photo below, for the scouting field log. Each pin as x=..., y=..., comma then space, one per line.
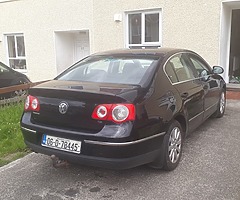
x=17, y=57
x=5, y=1
x=143, y=43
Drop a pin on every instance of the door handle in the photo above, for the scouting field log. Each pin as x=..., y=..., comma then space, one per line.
x=184, y=95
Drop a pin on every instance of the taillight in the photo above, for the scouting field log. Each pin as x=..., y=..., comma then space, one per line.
x=118, y=113
x=101, y=112
x=32, y=104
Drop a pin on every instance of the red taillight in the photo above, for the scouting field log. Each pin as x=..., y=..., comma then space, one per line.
x=101, y=112
x=118, y=113
x=32, y=104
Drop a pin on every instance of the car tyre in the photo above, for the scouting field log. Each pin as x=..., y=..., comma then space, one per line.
x=221, y=105
x=172, y=146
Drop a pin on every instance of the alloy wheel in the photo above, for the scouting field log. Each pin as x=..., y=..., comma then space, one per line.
x=175, y=144
x=222, y=103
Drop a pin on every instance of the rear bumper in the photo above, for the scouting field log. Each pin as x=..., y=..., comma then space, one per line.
x=110, y=163
x=96, y=150
x=113, y=155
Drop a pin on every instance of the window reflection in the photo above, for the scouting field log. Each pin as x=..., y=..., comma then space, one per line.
x=16, y=51
x=11, y=47
x=135, y=29
x=152, y=27
x=17, y=63
x=20, y=46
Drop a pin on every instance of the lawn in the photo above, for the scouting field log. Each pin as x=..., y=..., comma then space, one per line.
x=12, y=145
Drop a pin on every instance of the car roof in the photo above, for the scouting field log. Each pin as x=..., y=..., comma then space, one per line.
x=4, y=65
x=128, y=52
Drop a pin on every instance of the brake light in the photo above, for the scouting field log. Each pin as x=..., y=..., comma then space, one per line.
x=117, y=113
x=32, y=104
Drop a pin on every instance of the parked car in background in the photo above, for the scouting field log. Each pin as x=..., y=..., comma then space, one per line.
x=120, y=109
x=10, y=77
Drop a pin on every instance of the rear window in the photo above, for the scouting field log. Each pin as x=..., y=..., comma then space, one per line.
x=103, y=69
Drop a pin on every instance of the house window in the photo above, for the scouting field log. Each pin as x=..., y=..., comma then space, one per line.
x=144, y=29
x=16, y=52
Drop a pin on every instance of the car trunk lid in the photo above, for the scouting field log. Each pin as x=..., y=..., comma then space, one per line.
x=81, y=99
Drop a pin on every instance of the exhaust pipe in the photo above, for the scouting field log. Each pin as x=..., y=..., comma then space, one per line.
x=58, y=163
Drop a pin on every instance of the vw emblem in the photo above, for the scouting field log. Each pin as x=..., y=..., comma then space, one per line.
x=63, y=107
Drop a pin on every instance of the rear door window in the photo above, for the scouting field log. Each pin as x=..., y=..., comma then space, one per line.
x=171, y=72
x=178, y=70
x=202, y=69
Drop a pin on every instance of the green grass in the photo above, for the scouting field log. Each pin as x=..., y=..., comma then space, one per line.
x=12, y=145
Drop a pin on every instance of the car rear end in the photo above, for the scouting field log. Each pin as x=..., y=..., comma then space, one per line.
x=92, y=121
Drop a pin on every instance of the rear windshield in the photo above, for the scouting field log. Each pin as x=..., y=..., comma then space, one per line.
x=106, y=69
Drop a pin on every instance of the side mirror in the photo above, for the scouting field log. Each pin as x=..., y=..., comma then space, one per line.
x=217, y=70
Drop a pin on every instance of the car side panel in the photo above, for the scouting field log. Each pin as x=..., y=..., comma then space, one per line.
x=190, y=90
x=191, y=94
x=210, y=83
x=157, y=107
x=211, y=95
x=6, y=79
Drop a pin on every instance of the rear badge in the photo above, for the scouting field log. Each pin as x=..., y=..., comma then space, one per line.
x=63, y=107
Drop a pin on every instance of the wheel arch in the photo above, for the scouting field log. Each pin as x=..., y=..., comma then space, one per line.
x=182, y=120
x=223, y=85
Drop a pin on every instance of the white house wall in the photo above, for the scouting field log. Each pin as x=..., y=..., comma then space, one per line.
x=109, y=34
x=186, y=24
x=38, y=20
